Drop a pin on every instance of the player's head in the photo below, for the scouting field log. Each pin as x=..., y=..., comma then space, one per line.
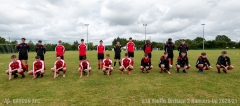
x=203, y=54
x=23, y=40
x=58, y=58
x=101, y=42
x=82, y=40
x=169, y=39
x=118, y=43
x=148, y=41
x=37, y=58
x=107, y=56
x=14, y=58
x=183, y=53
x=39, y=42
x=145, y=55
x=130, y=39
x=126, y=55
x=183, y=41
x=59, y=42
x=224, y=53
x=165, y=54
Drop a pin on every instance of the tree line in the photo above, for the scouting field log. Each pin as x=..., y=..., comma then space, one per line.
x=220, y=42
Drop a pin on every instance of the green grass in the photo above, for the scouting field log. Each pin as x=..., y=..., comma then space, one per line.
x=118, y=89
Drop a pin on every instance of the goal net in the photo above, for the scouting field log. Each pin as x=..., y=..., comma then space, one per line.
x=8, y=48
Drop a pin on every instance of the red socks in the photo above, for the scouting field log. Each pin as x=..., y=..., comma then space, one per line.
x=26, y=66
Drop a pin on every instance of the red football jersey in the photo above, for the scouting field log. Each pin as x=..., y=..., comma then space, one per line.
x=82, y=48
x=126, y=62
x=38, y=65
x=15, y=65
x=107, y=62
x=100, y=49
x=84, y=65
x=59, y=64
x=60, y=50
x=130, y=47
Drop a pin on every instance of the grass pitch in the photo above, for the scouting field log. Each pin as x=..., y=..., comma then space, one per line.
x=136, y=89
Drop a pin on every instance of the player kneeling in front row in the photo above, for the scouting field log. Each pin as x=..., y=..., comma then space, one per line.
x=203, y=63
x=146, y=63
x=38, y=68
x=164, y=63
x=84, y=67
x=59, y=65
x=182, y=62
x=16, y=66
x=126, y=64
x=107, y=65
x=224, y=62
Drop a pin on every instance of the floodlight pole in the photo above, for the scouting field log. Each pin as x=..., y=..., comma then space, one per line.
x=145, y=31
x=203, y=35
x=87, y=35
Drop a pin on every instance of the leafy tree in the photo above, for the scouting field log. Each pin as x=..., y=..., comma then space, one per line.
x=198, y=40
x=222, y=38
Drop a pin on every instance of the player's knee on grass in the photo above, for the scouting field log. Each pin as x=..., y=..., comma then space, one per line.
x=30, y=72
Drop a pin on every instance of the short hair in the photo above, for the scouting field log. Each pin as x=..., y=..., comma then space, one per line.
x=203, y=54
x=59, y=41
x=148, y=40
x=23, y=39
x=165, y=52
x=183, y=52
x=82, y=39
x=100, y=41
x=37, y=57
x=13, y=56
x=169, y=39
x=224, y=52
x=126, y=54
x=183, y=40
x=145, y=54
x=130, y=38
x=40, y=41
x=108, y=55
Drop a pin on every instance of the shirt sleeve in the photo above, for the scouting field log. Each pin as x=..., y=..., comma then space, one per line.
x=228, y=61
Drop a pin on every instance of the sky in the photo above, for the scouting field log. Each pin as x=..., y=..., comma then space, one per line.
x=53, y=20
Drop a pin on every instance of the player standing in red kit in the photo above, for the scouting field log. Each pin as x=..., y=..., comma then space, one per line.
x=60, y=50
x=100, y=51
x=147, y=48
x=38, y=68
x=82, y=49
x=107, y=65
x=130, y=49
x=59, y=65
x=15, y=67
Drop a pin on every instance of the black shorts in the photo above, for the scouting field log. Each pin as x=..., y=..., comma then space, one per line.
x=170, y=55
x=60, y=69
x=62, y=57
x=150, y=55
x=204, y=65
x=181, y=65
x=41, y=57
x=100, y=56
x=165, y=65
x=117, y=56
x=23, y=57
x=130, y=54
x=81, y=57
x=221, y=65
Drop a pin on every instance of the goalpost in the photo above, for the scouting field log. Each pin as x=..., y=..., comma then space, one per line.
x=8, y=48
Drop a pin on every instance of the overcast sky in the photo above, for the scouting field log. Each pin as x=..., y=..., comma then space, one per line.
x=52, y=20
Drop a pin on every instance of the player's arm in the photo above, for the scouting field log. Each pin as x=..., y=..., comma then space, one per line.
x=165, y=47
x=208, y=63
x=228, y=61
x=187, y=63
x=127, y=47
x=144, y=48
x=56, y=49
x=173, y=46
x=28, y=48
x=18, y=47
x=120, y=49
x=9, y=72
x=142, y=62
x=219, y=60
x=33, y=71
x=44, y=49
x=179, y=48
x=187, y=47
x=178, y=60
x=64, y=50
x=151, y=48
